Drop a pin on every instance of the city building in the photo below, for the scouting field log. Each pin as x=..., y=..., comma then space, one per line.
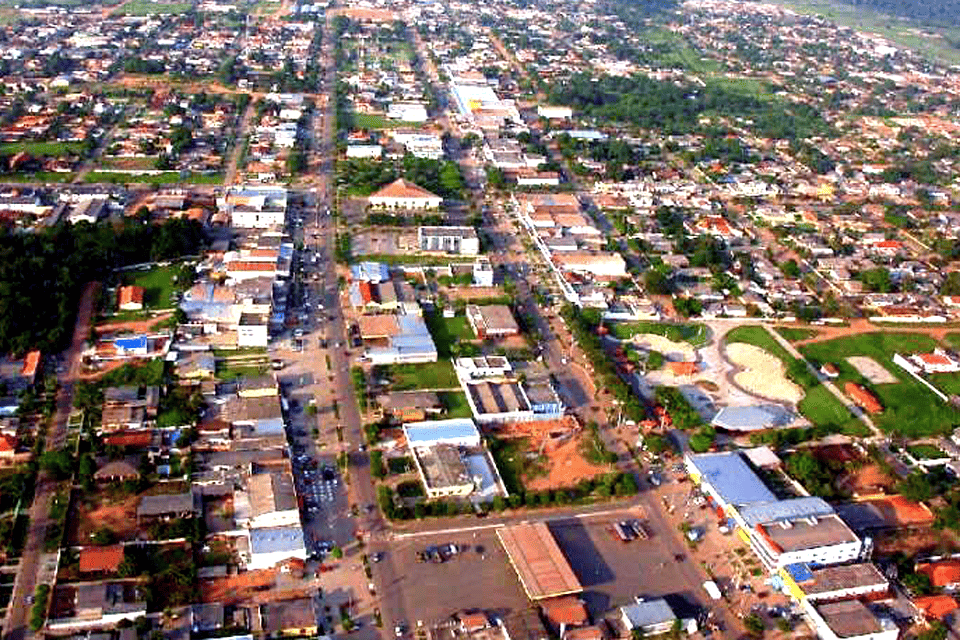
x=402, y=194
x=780, y=532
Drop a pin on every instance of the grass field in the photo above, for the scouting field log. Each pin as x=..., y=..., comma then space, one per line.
x=150, y=7
x=795, y=335
x=167, y=177
x=157, y=283
x=949, y=383
x=759, y=337
x=926, y=452
x=822, y=408
x=455, y=404
x=374, y=122
x=447, y=332
x=909, y=407
x=694, y=334
x=952, y=340
x=42, y=148
x=432, y=375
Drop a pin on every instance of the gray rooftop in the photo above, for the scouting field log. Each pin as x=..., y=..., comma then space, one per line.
x=785, y=510
x=646, y=613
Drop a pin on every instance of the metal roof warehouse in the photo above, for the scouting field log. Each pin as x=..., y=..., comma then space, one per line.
x=540, y=564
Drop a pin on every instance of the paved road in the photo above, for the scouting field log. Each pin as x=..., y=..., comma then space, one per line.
x=18, y=612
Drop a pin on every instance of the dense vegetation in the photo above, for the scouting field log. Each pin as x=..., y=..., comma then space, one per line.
x=673, y=109
x=41, y=274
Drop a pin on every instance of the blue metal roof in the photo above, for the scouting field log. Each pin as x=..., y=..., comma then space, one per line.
x=431, y=431
x=276, y=539
x=370, y=272
x=800, y=572
x=732, y=478
x=140, y=342
x=786, y=510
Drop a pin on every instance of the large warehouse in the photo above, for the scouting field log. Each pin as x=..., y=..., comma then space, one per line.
x=540, y=564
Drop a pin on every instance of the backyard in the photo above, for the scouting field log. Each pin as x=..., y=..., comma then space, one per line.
x=159, y=285
x=430, y=375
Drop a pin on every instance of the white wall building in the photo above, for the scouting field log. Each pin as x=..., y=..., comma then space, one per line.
x=456, y=240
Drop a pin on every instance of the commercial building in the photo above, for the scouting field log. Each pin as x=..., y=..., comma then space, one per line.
x=373, y=151
x=780, y=532
x=542, y=568
x=451, y=461
x=806, y=582
x=849, y=620
x=456, y=240
x=492, y=321
x=495, y=394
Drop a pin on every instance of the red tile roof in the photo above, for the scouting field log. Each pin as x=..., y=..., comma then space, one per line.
x=129, y=439
x=936, y=606
x=130, y=294
x=101, y=559
x=941, y=574
x=403, y=189
x=30, y=364
x=8, y=443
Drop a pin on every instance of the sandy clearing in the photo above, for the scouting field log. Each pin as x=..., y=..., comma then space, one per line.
x=872, y=370
x=762, y=373
x=677, y=351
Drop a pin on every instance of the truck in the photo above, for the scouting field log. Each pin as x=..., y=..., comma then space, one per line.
x=712, y=590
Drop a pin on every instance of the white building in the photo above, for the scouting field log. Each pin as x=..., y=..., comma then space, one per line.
x=252, y=330
x=364, y=151
x=268, y=501
x=252, y=207
x=456, y=240
x=652, y=617
x=554, y=113
x=482, y=273
x=408, y=111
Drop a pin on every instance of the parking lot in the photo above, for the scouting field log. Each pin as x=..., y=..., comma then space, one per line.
x=612, y=572
x=478, y=577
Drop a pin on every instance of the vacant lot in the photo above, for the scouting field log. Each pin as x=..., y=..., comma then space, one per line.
x=372, y=121
x=447, y=332
x=108, y=513
x=431, y=375
x=909, y=407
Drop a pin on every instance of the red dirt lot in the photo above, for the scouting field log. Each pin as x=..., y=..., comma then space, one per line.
x=88, y=517
x=560, y=441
